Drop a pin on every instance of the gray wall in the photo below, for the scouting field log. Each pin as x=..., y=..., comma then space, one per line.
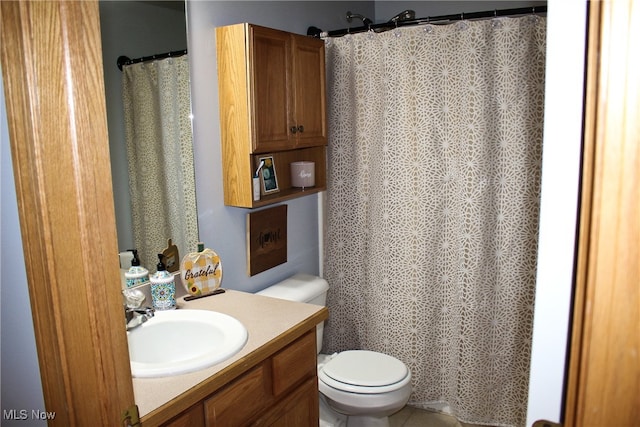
x=20, y=373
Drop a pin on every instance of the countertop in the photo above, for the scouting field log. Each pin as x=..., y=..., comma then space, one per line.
x=271, y=324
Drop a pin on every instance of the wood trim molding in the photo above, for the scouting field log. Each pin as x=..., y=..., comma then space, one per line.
x=54, y=90
x=603, y=386
x=576, y=339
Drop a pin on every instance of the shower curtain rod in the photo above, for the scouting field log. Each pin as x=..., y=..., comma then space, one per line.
x=125, y=60
x=384, y=26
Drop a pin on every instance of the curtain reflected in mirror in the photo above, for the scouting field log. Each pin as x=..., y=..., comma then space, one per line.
x=157, y=111
x=137, y=29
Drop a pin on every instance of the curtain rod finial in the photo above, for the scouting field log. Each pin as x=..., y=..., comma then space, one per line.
x=121, y=61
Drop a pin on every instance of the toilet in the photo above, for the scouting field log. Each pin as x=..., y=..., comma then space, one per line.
x=357, y=387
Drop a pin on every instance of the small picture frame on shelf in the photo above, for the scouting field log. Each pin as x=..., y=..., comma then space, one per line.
x=268, y=178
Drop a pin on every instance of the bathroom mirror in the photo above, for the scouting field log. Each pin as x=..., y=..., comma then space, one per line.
x=138, y=29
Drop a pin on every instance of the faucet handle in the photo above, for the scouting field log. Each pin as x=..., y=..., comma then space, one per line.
x=133, y=297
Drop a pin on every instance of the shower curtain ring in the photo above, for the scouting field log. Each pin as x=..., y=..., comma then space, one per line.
x=428, y=27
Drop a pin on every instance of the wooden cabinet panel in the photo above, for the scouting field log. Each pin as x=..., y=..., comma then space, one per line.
x=193, y=417
x=270, y=66
x=294, y=363
x=241, y=400
x=300, y=408
x=235, y=115
x=310, y=91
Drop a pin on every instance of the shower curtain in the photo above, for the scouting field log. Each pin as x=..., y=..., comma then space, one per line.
x=157, y=111
x=435, y=151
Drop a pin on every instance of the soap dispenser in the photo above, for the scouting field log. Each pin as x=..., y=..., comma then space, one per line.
x=136, y=275
x=163, y=288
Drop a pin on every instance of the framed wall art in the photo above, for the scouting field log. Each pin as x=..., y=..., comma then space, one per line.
x=266, y=239
x=268, y=177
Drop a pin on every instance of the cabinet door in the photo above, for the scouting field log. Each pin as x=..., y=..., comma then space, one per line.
x=241, y=400
x=271, y=80
x=192, y=417
x=299, y=408
x=309, y=91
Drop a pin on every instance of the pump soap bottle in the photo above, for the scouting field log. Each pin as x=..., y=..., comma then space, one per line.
x=163, y=288
x=136, y=275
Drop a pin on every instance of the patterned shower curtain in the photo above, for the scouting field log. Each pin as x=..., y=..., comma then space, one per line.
x=157, y=113
x=432, y=210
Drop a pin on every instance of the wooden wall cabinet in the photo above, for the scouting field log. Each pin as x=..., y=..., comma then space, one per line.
x=272, y=95
x=279, y=391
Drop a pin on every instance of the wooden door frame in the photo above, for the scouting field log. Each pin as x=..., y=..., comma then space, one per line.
x=54, y=91
x=603, y=372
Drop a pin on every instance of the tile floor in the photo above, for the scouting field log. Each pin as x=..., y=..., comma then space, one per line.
x=413, y=417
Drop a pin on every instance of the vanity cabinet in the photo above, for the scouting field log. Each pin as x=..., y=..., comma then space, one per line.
x=279, y=391
x=272, y=96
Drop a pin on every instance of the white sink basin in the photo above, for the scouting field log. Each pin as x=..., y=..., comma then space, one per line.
x=180, y=341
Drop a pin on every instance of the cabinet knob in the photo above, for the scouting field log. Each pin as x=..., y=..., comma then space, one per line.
x=300, y=128
x=294, y=129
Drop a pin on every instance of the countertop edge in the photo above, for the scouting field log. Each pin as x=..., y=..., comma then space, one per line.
x=212, y=384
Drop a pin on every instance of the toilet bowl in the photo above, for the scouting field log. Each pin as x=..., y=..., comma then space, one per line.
x=365, y=385
x=358, y=388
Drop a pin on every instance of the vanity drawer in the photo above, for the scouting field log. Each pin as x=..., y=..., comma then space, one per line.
x=297, y=408
x=294, y=363
x=241, y=400
x=192, y=417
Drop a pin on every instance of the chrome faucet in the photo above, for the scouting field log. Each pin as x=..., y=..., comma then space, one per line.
x=134, y=314
x=137, y=316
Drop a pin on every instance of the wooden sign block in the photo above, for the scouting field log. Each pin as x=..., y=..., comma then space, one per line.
x=201, y=272
x=266, y=239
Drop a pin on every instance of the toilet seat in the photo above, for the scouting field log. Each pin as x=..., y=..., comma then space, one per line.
x=366, y=372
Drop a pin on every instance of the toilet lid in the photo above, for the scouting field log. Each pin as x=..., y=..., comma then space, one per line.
x=365, y=368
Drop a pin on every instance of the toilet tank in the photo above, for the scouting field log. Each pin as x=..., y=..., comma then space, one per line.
x=301, y=288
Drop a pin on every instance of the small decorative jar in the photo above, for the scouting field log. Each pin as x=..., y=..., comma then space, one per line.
x=163, y=291
x=136, y=276
x=303, y=174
